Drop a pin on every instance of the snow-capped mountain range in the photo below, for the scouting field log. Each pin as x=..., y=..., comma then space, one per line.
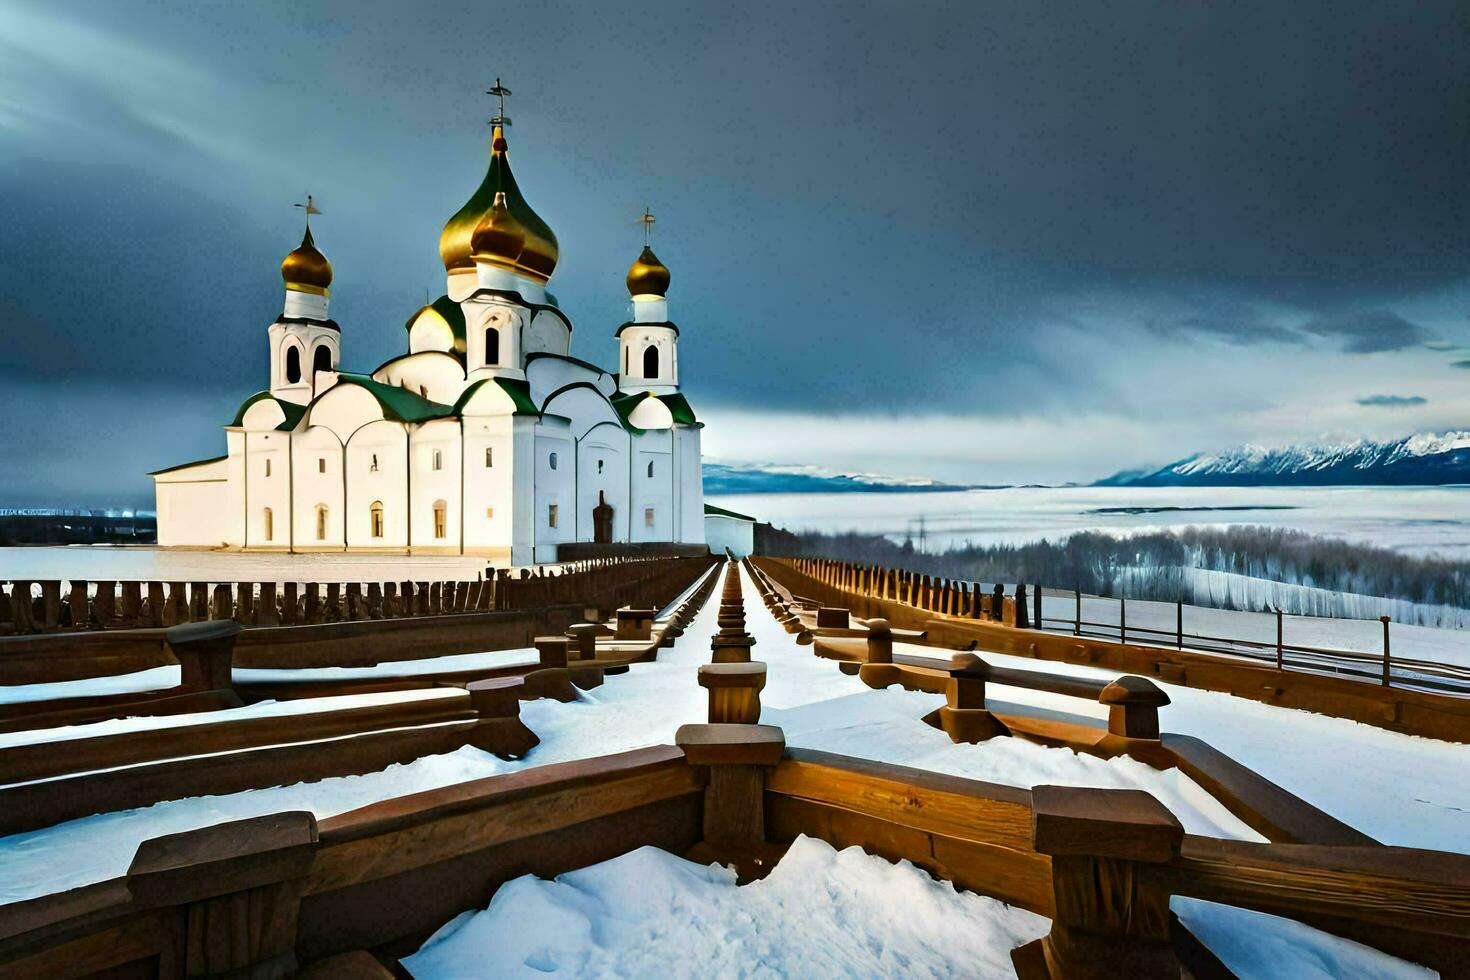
x=1424, y=459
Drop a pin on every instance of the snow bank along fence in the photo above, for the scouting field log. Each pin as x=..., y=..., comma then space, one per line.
x=210, y=743
x=349, y=894
x=961, y=615
x=43, y=606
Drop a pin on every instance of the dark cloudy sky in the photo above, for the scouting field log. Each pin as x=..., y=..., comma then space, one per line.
x=980, y=241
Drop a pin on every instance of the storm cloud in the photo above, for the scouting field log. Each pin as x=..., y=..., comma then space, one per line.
x=1392, y=401
x=1067, y=217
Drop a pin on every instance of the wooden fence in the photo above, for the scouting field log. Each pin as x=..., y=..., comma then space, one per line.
x=1026, y=608
x=44, y=606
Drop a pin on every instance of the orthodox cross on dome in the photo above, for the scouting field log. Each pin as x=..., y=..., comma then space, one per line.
x=500, y=92
x=309, y=208
x=647, y=221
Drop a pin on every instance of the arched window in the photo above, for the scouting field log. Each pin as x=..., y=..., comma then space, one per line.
x=293, y=364
x=650, y=361
x=321, y=522
x=650, y=469
x=267, y=466
x=599, y=466
x=268, y=519
x=441, y=519
x=492, y=346
x=321, y=358
x=553, y=460
x=375, y=513
x=438, y=460
x=373, y=466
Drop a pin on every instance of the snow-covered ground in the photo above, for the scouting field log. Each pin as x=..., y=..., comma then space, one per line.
x=145, y=563
x=137, y=682
x=1400, y=789
x=1414, y=520
x=820, y=913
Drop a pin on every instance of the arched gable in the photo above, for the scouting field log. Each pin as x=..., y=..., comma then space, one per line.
x=437, y=327
x=344, y=408
x=547, y=373
x=434, y=375
x=650, y=413
x=583, y=405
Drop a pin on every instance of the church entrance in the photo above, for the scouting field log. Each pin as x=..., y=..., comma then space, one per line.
x=602, y=518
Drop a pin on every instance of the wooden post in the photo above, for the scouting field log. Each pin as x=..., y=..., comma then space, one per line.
x=497, y=700
x=734, y=691
x=289, y=604
x=266, y=613
x=1280, y=659
x=1179, y=629
x=880, y=642
x=313, y=610
x=224, y=606
x=1122, y=620
x=1387, y=670
x=238, y=887
x=205, y=652
x=552, y=650
x=1077, y=616
x=738, y=757
x=1040, y=623
x=963, y=716
x=103, y=606
x=76, y=601
x=154, y=617
x=1112, y=920
x=132, y=604
x=176, y=609
x=198, y=601
x=51, y=605
x=1023, y=619
x=1133, y=706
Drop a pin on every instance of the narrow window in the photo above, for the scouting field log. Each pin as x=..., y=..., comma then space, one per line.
x=551, y=515
x=650, y=361
x=599, y=466
x=373, y=466
x=321, y=522
x=270, y=524
x=553, y=460
x=489, y=512
x=441, y=520
x=321, y=359
x=321, y=464
x=438, y=460
x=267, y=467
x=293, y=364
x=625, y=360
x=492, y=346
x=648, y=517
x=489, y=457
x=650, y=469
x=376, y=515
x=423, y=391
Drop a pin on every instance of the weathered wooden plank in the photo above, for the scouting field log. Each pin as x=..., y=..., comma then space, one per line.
x=964, y=808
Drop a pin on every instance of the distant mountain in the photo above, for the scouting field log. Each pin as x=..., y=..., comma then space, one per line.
x=1425, y=459
x=723, y=478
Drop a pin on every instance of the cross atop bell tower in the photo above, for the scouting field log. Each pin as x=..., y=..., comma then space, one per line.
x=500, y=92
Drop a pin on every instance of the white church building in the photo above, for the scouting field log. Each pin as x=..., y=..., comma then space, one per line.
x=486, y=438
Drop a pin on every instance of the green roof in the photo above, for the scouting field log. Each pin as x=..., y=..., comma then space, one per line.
x=291, y=410
x=185, y=466
x=518, y=390
x=711, y=509
x=399, y=404
x=676, y=403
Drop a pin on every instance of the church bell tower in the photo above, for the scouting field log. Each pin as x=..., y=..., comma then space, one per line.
x=304, y=341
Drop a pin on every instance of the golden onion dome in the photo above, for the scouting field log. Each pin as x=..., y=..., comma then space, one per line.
x=539, y=253
x=499, y=238
x=648, y=276
x=305, y=269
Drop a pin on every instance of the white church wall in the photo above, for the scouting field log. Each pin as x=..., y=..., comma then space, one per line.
x=316, y=475
x=555, y=493
x=547, y=332
x=690, y=492
x=232, y=521
x=192, y=504
x=434, y=455
x=432, y=374
x=509, y=321
x=602, y=468
x=651, y=497
x=377, y=463
x=489, y=484
x=523, y=477
x=267, y=490
x=344, y=410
